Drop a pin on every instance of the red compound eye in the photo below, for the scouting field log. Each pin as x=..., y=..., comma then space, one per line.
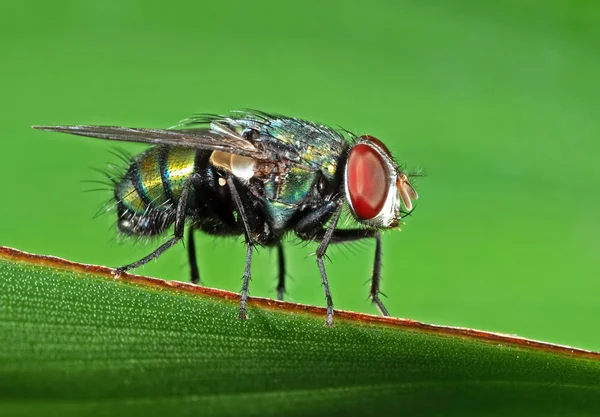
x=377, y=142
x=367, y=178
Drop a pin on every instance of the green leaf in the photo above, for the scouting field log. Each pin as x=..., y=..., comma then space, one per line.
x=76, y=341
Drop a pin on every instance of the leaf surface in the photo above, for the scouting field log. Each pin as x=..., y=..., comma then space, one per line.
x=75, y=341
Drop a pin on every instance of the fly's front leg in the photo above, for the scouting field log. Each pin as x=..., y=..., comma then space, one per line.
x=178, y=233
x=376, y=277
x=249, y=248
x=304, y=228
x=343, y=236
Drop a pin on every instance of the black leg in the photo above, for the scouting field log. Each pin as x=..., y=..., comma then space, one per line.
x=376, y=278
x=307, y=232
x=194, y=271
x=179, y=226
x=321, y=263
x=281, y=281
x=314, y=221
x=305, y=229
x=352, y=235
x=249, y=242
x=159, y=251
x=245, y=283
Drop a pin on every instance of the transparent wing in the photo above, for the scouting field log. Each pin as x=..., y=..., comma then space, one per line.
x=225, y=141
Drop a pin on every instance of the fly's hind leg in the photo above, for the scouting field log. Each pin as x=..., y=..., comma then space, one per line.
x=177, y=236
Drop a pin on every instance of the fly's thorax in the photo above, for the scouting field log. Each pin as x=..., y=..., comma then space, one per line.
x=282, y=186
x=375, y=186
x=315, y=146
x=285, y=192
x=281, y=180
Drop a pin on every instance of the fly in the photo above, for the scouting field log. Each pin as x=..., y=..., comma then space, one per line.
x=259, y=176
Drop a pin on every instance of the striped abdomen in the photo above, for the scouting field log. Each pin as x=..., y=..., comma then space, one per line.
x=148, y=193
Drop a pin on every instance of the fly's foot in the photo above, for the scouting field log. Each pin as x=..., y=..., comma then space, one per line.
x=377, y=301
x=280, y=292
x=118, y=272
x=329, y=319
x=243, y=301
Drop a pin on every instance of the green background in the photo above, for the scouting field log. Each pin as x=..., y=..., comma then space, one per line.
x=496, y=101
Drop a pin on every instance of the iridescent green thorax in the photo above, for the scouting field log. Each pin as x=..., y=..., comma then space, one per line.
x=313, y=151
x=310, y=144
x=284, y=193
x=318, y=146
x=155, y=178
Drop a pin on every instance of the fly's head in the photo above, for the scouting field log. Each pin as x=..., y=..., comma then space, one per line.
x=375, y=186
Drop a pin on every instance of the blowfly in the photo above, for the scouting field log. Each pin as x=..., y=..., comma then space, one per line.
x=259, y=176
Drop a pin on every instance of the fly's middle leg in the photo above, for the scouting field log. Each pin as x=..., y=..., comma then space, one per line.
x=237, y=201
x=245, y=283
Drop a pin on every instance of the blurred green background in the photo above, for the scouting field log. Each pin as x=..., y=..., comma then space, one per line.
x=497, y=101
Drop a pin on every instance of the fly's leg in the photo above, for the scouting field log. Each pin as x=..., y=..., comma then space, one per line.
x=352, y=235
x=177, y=236
x=321, y=263
x=246, y=281
x=194, y=271
x=281, y=280
x=304, y=228
x=249, y=248
x=205, y=196
x=376, y=278
x=306, y=232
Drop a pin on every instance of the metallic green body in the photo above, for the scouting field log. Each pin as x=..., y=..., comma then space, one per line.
x=302, y=153
x=311, y=151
